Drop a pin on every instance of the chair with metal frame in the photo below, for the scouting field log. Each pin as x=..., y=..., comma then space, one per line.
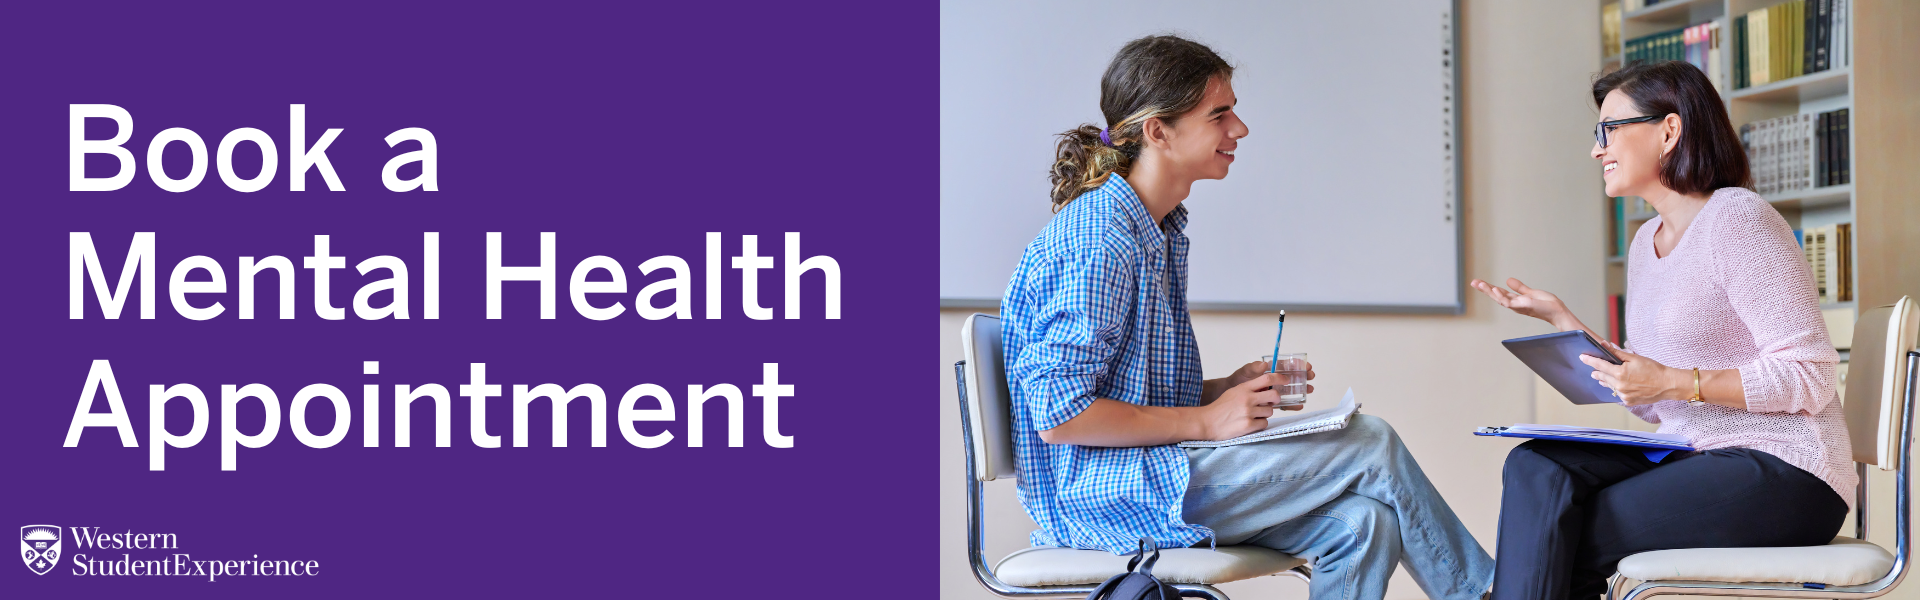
x=1879, y=410
x=986, y=426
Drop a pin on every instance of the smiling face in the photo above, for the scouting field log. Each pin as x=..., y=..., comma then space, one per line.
x=1200, y=143
x=1630, y=163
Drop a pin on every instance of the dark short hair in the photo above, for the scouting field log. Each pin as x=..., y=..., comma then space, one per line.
x=1709, y=155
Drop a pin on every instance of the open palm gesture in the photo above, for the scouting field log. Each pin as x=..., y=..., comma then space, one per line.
x=1539, y=304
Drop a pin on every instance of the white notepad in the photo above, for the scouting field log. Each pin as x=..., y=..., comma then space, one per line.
x=1330, y=419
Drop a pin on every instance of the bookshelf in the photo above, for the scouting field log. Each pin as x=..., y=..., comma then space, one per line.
x=1880, y=86
x=1670, y=10
x=1812, y=197
x=1876, y=27
x=1824, y=84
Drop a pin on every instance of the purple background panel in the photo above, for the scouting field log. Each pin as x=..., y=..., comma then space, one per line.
x=628, y=131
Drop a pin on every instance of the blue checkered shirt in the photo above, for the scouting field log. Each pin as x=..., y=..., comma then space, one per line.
x=1098, y=309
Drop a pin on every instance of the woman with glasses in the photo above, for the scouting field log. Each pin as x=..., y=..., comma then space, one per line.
x=1728, y=349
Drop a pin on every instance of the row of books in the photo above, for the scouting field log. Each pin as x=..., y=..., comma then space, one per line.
x=1829, y=251
x=1788, y=40
x=1698, y=44
x=1796, y=152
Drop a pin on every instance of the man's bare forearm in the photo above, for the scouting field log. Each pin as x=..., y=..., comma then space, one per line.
x=1115, y=424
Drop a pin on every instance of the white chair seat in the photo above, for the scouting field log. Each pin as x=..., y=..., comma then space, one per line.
x=1846, y=561
x=1034, y=567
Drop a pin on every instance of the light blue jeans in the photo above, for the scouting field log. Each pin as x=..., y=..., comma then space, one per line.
x=1351, y=502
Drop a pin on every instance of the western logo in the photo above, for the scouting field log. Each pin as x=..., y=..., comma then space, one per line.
x=40, y=547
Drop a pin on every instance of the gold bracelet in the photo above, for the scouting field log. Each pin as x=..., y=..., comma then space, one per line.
x=1696, y=400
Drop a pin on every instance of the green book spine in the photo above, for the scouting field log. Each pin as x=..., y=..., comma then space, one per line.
x=1786, y=39
x=1620, y=221
x=1739, y=50
x=1799, y=37
x=1789, y=40
x=1793, y=39
x=1776, y=46
x=1810, y=18
x=1773, y=44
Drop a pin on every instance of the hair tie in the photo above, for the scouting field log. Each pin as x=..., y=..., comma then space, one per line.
x=1104, y=139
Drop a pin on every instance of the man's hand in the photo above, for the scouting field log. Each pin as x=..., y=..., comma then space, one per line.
x=1211, y=389
x=1246, y=373
x=1242, y=409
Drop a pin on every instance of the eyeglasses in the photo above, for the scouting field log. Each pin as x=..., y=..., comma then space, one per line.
x=1600, y=130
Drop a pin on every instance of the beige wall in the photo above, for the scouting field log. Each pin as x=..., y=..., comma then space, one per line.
x=1533, y=210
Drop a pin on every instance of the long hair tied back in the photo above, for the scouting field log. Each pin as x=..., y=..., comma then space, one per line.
x=1161, y=76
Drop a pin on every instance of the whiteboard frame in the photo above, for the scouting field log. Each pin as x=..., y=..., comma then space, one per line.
x=1451, y=50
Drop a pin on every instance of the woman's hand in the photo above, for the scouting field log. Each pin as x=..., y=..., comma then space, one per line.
x=1242, y=409
x=1639, y=380
x=1539, y=304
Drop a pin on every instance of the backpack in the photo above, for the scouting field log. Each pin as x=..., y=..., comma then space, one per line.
x=1136, y=585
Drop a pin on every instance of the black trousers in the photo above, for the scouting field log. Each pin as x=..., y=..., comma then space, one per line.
x=1570, y=511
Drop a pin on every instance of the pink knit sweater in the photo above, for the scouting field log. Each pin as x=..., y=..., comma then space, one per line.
x=1736, y=293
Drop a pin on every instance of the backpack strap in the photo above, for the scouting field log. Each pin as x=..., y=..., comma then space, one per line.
x=1146, y=568
x=1106, y=588
x=1145, y=572
x=1142, y=553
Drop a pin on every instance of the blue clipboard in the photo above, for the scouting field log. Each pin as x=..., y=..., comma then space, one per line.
x=1655, y=451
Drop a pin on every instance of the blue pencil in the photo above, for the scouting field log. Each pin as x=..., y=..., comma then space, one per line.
x=1275, y=364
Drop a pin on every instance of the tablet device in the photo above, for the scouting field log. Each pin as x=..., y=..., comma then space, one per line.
x=1556, y=357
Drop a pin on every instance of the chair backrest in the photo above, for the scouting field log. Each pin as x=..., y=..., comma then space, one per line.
x=1877, y=379
x=988, y=404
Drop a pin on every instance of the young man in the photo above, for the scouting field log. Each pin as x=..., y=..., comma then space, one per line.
x=1105, y=373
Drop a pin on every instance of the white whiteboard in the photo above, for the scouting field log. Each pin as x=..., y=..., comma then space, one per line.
x=1342, y=198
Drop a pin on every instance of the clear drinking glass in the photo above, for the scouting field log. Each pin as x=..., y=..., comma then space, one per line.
x=1292, y=369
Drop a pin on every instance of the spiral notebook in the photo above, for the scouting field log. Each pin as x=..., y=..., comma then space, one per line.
x=1329, y=419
